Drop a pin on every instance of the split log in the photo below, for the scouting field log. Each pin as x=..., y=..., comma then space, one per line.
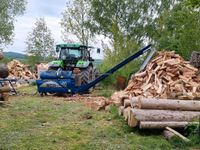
x=121, y=110
x=5, y=89
x=3, y=71
x=168, y=134
x=137, y=115
x=162, y=124
x=166, y=104
x=178, y=134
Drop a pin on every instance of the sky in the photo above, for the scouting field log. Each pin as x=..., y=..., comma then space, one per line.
x=49, y=9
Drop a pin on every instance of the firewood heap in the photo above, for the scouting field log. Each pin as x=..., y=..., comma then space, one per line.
x=165, y=94
x=20, y=71
x=166, y=76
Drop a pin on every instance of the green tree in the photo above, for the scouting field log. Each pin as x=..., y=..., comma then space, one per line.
x=40, y=43
x=9, y=9
x=134, y=18
x=74, y=21
x=193, y=3
x=178, y=29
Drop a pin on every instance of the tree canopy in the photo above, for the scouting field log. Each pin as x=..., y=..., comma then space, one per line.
x=167, y=24
x=74, y=21
x=9, y=9
x=40, y=42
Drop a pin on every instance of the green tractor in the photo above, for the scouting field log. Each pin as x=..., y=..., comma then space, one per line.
x=76, y=58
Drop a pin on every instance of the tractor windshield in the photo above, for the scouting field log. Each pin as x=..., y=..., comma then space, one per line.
x=67, y=52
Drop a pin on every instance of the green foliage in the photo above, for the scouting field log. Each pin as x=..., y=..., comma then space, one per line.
x=40, y=43
x=9, y=9
x=178, y=31
x=74, y=21
x=123, y=47
x=193, y=3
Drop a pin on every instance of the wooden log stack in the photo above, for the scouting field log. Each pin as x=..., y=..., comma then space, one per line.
x=166, y=76
x=20, y=71
x=148, y=113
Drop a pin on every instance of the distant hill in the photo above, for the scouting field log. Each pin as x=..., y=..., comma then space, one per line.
x=14, y=55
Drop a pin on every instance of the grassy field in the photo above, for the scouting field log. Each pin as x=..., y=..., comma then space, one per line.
x=35, y=123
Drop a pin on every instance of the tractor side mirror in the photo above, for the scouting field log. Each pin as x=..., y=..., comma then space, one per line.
x=98, y=50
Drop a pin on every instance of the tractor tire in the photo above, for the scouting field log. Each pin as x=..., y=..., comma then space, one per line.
x=87, y=75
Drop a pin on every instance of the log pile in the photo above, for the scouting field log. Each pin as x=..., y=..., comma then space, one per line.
x=164, y=94
x=148, y=113
x=20, y=71
x=166, y=76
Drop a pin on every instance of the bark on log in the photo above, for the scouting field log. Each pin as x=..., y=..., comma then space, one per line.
x=126, y=113
x=162, y=124
x=165, y=104
x=127, y=103
x=121, y=110
x=137, y=115
x=195, y=59
x=134, y=102
x=3, y=71
x=5, y=89
x=168, y=134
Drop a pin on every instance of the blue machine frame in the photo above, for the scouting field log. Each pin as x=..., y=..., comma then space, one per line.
x=68, y=85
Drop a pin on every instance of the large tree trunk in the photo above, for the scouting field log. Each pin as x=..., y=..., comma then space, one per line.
x=162, y=125
x=3, y=71
x=137, y=115
x=165, y=104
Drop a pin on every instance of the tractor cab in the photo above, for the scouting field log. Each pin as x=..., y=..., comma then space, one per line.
x=72, y=56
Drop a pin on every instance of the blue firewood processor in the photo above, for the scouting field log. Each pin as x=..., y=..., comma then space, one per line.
x=74, y=71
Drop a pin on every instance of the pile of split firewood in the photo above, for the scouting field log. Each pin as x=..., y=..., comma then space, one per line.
x=20, y=71
x=162, y=95
x=4, y=88
x=166, y=76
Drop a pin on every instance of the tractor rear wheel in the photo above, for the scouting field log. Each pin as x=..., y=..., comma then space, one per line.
x=87, y=75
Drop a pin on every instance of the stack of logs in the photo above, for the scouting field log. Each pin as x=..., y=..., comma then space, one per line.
x=4, y=88
x=167, y=76
x=148, y=113
x=20, y=71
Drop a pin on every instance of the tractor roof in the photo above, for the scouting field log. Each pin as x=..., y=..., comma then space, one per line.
x=72, y=45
